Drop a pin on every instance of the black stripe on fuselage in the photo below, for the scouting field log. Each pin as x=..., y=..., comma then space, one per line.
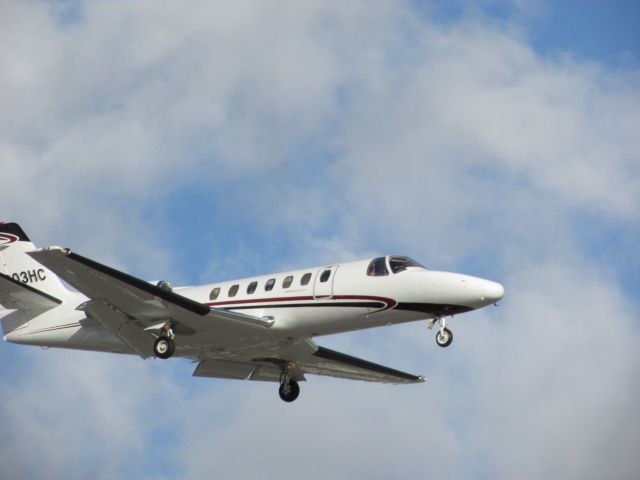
x=433, y=308
x=348, y=301
x=438, y=309
x=302, y=305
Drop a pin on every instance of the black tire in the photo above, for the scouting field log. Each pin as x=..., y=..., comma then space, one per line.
x=444, y=338
x=292, y=393
x=164, y=347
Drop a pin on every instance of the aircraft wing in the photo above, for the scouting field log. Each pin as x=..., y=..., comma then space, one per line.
x=16, y=295
x=336, y=364
x=306, y=357
x=131, y=307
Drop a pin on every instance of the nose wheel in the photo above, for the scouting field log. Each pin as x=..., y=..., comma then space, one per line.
x=444, y=337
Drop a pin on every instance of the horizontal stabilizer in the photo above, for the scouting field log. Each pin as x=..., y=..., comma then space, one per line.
x=16, y=295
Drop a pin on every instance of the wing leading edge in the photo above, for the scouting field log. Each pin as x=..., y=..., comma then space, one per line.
x=131, y=307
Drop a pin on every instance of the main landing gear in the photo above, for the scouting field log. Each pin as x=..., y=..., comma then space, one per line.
x=444, y=337
x=165, y=346
x=289, y=388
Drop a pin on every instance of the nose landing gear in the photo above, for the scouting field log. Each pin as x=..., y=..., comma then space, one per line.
x=444, y=337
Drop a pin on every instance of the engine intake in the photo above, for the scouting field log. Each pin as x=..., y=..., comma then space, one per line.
x=164, y=285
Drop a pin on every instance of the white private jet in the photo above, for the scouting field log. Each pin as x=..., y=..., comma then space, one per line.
x=257, y=328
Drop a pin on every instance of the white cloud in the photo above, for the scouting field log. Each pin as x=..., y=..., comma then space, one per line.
x=66, y=417
x=554, y=383
x=345, y=130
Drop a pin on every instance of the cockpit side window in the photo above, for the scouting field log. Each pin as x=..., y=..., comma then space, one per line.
x=378, y=267
x=400, y=264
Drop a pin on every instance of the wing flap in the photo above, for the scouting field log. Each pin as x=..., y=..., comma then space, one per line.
x=224, y=369
x=249, y=370
x=16, y=295
x=124, y=327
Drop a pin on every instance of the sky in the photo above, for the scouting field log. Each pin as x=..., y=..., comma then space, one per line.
x=215, y=140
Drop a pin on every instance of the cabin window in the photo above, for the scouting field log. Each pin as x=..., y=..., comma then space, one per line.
x=378, y=267
x=233, y=290
x=269, y=285
x=214, y=293
x=286, y=283
x=252, y=287
x=325, y=276
x=400, y=264
x=305, y=279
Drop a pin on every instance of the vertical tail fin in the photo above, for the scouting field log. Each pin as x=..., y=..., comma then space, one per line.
x=15, y=263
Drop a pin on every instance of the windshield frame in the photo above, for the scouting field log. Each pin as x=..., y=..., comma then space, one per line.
x=400, y=263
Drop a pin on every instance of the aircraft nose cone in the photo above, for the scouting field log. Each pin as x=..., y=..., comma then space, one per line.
x=492, y=291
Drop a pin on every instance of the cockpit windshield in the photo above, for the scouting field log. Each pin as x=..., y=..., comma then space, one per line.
x=378, y=266
x=400, y=264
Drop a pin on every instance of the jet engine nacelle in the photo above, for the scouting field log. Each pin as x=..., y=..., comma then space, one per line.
x=164, y=285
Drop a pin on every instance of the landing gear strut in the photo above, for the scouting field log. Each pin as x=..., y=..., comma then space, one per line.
x=444, y=337
x=289, y=388
x=165, y=346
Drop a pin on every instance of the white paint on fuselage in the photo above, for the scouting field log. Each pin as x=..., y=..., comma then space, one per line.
x=351, y=300
x=350, y=284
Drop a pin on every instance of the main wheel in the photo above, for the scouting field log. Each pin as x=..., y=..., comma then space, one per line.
x=444, y=337
x=164, y=347
x=289, y=391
